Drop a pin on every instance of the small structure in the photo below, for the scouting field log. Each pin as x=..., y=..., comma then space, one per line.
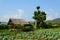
x=17, y=21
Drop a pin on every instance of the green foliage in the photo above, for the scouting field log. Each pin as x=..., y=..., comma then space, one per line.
x=3, y=26
x=27, y=28
x=49, y=25
x=45, y=34
x=22, y=27
x=18, y=26
x=39, y=16
x=10, y=26
x=43, y=25
x=38, y=7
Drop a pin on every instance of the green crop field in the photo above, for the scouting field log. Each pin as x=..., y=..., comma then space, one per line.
x=40, y=34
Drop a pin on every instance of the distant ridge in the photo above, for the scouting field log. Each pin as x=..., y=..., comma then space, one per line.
x=3, y=22
x=54, y=21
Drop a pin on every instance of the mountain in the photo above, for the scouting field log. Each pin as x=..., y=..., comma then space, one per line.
x=54, y=21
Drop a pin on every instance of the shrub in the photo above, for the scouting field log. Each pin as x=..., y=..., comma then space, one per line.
x=10, y=26
x=19, y=26
x=49, y=25
x=28, y=28
x=42, y=25
x=3, y=26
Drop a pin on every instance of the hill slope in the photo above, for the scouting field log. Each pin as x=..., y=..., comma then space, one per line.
x=54, y=21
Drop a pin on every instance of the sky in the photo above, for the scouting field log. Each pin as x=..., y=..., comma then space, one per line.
x=24, y=9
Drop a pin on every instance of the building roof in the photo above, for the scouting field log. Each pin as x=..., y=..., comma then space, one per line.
x=18, y=21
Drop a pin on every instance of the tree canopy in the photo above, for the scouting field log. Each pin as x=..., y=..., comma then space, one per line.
x=39, y=16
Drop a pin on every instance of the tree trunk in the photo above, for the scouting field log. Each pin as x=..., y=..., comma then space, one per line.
x=35, y=24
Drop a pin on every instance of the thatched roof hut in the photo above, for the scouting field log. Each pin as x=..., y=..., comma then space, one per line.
x=17, y=21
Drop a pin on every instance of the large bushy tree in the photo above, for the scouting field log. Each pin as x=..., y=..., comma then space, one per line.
x=39, y=17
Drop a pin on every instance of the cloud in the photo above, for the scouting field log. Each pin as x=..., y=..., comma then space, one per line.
x=49, y=18
x=20, y=12
x=51, y=14
x=18, y=15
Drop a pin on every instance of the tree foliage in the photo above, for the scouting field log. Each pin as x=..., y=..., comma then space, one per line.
x=39, y=16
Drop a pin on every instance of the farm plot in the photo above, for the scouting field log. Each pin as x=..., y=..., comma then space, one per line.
x=43, y=34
